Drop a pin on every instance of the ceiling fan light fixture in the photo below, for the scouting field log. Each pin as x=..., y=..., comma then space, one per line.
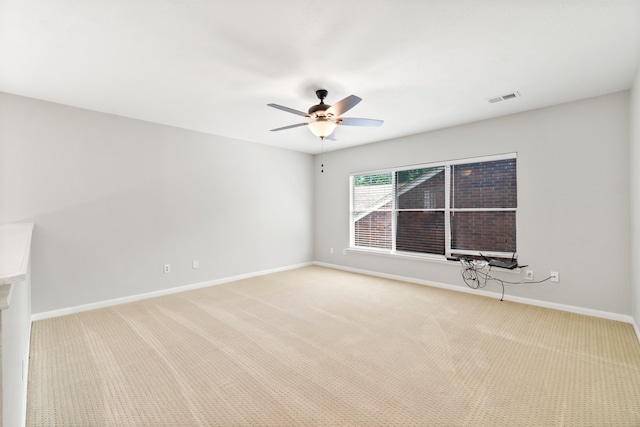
x=322, y=127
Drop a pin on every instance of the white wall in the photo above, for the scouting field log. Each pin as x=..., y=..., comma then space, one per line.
x=114, y=199
x=16, y=331
x=635, y=199
x=573, y=199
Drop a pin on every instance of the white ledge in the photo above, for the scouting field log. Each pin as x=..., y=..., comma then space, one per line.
x=15, y=248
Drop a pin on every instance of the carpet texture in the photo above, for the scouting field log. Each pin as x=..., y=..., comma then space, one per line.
x=321, y=347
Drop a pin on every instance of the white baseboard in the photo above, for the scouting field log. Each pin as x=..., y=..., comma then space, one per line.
x=529, y=301
x=562, y=307
x=635, y=328
x=123, y=300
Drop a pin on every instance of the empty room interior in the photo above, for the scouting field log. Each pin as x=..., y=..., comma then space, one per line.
x=320, y=213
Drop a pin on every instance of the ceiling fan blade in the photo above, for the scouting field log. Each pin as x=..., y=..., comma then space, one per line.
x=289, y=127
x=344, y=105
x=352, y=121
x=289, y=110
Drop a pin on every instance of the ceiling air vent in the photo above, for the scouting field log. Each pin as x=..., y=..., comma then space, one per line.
x=504, y=97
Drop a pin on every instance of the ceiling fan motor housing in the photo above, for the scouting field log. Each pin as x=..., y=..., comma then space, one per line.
x=319, y=107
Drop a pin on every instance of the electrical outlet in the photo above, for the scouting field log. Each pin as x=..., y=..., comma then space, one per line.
x=555, y=276
x=331, y=250
x=167, y=268
x=528, y=274
x=194, y=264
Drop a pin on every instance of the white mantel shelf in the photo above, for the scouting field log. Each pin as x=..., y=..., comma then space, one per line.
x=15, y=246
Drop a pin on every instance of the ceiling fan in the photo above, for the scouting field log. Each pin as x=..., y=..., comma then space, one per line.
x=324, y=118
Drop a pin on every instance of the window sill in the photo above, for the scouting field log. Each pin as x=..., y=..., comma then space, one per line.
x=438, y=259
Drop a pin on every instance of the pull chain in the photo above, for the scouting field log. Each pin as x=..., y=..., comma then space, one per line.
x=322, y=157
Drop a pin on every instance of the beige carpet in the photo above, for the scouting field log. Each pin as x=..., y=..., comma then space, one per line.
x=316, y=347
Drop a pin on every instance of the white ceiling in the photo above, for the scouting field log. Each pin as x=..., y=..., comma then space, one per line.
x=213, y=65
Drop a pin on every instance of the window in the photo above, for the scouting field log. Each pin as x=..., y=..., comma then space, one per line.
x=463, y=207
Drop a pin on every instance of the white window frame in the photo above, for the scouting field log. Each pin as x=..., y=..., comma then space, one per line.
x=448, y=210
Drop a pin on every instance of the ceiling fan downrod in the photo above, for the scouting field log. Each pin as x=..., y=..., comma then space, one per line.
x=321, y=94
